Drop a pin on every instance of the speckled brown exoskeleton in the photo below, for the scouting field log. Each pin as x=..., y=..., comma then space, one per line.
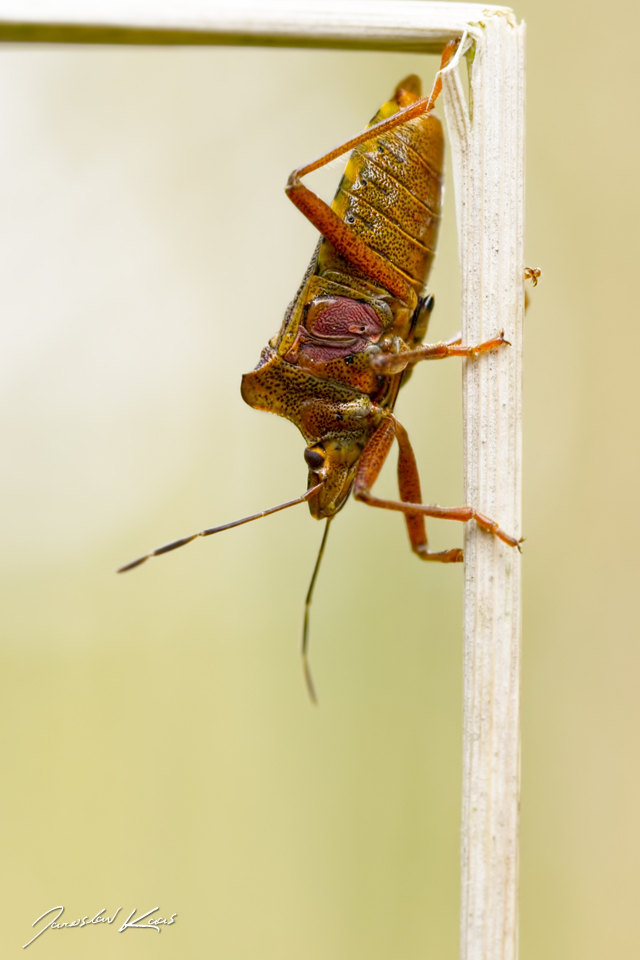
x=355, y=330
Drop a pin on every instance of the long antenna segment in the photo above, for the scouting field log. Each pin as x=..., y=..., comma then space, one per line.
x=307, y=606
x=211, y=530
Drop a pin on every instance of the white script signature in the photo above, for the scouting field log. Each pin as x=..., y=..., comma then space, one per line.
x=153, y=923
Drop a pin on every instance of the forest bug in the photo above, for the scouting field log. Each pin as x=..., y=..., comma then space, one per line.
x=354, y=331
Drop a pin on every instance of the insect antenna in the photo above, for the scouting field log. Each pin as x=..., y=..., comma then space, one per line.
x=305, y=625
x=211, y=530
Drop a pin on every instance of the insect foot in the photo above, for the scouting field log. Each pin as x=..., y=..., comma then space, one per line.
x=446, y=556
x=492, y=527
x=487, y=346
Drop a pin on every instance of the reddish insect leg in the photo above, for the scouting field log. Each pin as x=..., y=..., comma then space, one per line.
x=342, y=236
x=409, y=487
x=371, y=461
x=393, y=363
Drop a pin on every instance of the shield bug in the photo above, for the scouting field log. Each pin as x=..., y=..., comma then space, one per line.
x=355, y=329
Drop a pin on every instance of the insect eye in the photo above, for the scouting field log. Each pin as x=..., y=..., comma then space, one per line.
x=314, y=458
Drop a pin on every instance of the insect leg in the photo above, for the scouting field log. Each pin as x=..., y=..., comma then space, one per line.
x=409, y=487
x=345, y=239
x=390, y=363
x=371, y=461
x=342, y=236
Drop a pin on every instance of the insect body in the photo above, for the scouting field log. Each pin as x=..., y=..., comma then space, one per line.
x=335, y=367
x=354, y=331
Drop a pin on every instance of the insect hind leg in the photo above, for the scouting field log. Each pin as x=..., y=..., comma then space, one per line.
x=342, y=236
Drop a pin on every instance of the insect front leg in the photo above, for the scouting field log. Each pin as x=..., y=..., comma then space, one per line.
x=371, y=461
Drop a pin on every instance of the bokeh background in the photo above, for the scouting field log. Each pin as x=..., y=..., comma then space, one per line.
x=159, y=749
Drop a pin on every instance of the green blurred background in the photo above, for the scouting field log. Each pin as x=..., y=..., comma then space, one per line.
x=159, y=749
